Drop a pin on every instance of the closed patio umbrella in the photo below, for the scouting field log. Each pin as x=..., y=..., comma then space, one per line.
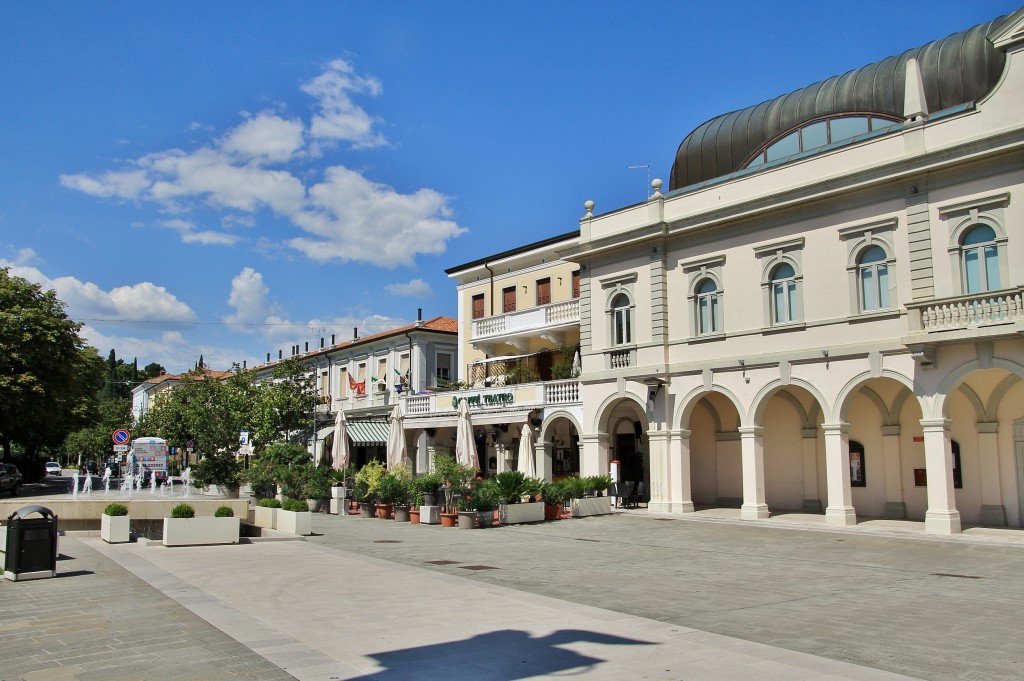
x=396, y=439
x=527, y=462
x=339, y=450
x=465, y=448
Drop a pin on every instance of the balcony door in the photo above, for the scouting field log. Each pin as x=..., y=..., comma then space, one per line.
x=543, y=291
x=508, y=299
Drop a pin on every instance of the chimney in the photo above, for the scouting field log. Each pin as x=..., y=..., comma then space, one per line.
x=268, y=358
x=355, y=333
x=243, y=363
x=419, y=314
x=280, y=354
x=332, y=339
x=321, y=342
x=307, y=346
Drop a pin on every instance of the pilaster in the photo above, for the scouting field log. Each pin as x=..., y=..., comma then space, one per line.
x=752, y=451
x=840, y=509
x=941, y=516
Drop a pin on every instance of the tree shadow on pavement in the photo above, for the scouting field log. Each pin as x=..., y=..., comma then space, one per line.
x=503, y=655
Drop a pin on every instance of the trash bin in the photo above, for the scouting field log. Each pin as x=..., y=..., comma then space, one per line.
x=31, y=544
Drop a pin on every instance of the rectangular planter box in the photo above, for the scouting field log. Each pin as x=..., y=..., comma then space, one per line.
x=296, y=522
x=114, y=528
x=200, y=531
x=512, y=514
x=265, y=517
x=587, y=506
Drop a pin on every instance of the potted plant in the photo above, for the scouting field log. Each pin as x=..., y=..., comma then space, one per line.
x=294, y=517
x=427, y=486
x=455, y=481
x=511, y=487
x=265, y=515
x=317, y=488
x=394, y=497
x=553, y=495
x=114, y=524
x=486, y=502
x=588, y=496
x=361, y=492
x=183, y=528
x=370, y=475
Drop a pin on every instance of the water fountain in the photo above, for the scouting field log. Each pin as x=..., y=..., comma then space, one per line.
x=87, y=485
x=152, y=483
x=186, y=480
x=74, y=485
x=106, y=481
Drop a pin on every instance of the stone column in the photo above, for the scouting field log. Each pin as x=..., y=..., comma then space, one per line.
x=941, y=516
x=546, y=450
x=422, y=453
x=595, y=456
x=837, y=475
x=660, y=491
x=752, y=451
x=679, y=470
x=895, y=507
x=992, y=510
x=812, y=497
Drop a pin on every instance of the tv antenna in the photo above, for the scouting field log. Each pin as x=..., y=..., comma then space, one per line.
x=647, y=191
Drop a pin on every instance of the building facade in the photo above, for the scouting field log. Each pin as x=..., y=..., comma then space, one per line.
x=824, y=311
x=518, y=334
x=367, y=376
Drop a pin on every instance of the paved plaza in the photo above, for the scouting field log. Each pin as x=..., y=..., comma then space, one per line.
x=629, y=596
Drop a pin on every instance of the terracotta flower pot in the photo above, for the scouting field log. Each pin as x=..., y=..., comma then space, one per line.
x=414, y=516
x=552, y=511
x=449, y=519
x=384, y=511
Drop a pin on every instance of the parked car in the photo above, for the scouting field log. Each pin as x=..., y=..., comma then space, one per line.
x=53, y=468
x=10, y=479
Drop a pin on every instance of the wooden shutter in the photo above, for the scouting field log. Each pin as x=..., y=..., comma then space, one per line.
x=544, y=291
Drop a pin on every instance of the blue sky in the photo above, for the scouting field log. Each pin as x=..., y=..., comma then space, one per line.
x=229, y=178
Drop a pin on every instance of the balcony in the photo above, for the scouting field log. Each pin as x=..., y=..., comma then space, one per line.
x=495, y=399
x=991, y=313
x=550, y=317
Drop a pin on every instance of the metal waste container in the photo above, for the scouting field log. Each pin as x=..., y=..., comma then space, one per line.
x=31, y=544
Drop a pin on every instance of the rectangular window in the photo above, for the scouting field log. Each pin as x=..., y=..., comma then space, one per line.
x=478, y=306
x=403, y=367
x=576, y=284
x=343, y=383
x=325, y=384
x=544, y=291
x=868, y=288
x=508, y=299
x=444, y=366
x=382, y=374
x=992, y=267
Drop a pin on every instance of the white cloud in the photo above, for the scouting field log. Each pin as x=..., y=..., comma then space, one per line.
x=143, y=301
x=361, y=220
x=346, y=216
x=23, y=258
x=250, y=298
x=265, y=138
x=339, y=118
x=416, y=288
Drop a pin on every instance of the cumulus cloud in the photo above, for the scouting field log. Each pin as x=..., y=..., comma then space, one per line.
x=356, y=219
x=85, y=300
x=249, y=169
x=338, y=117
x=250, y=298
x=416, y=288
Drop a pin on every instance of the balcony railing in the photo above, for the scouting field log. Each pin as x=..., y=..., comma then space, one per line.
x=980, y=309
x=534, y=395
x=545, y=316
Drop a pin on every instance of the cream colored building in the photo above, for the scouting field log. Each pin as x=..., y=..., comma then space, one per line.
x=518, y=331
x=823, y=311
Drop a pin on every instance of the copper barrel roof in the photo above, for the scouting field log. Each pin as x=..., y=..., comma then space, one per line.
x=959, y=69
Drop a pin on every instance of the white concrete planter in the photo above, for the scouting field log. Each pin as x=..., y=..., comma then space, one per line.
x=587, y=506
x=265, y=517
x=512, y=514
x=296, y=522
x=114, y=528
x=202, y=530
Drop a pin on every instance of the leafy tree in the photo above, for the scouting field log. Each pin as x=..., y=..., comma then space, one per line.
x=93, y=442
x=151, y=370
x=48, y=377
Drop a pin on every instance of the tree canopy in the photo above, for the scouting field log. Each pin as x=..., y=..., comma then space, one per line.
x=49, y=378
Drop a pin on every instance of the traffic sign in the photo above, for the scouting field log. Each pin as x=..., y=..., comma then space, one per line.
x=121, y=436
x=120, y=448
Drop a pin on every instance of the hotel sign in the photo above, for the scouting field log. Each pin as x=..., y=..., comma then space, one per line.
x=485, y=400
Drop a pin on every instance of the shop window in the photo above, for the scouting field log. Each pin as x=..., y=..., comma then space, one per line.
x=858, y=471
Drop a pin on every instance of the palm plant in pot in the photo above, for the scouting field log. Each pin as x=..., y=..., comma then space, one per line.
x=553, y=494
x=485, y=499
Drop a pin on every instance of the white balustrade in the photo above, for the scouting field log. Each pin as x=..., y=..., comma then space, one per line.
x=561, y=392
x=555, y=314
x=981, y=309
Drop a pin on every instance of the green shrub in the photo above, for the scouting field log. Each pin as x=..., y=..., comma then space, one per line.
x=553, y=493
x=223, y=512
x=574, y=488
x=371, y=474
x=393, y=489
x=183, y=511
x=294, y=505
x=510, y=486
x=115, y=509
x=269, y=503
x=598, y=484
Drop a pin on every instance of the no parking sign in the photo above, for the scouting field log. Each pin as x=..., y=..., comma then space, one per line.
x=121, y=436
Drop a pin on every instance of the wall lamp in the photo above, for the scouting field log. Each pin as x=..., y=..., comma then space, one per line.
x=654, y=386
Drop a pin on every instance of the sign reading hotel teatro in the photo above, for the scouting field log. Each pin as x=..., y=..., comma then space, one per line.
x=486, y=400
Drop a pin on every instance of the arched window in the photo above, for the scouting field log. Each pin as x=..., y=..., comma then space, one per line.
x=622, y=323
x=707, y=312
x=818, y=134
x=783, y=300
x=873, y=275
x=979, y=258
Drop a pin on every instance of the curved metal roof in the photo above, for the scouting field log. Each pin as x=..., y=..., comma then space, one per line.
x=961, y=68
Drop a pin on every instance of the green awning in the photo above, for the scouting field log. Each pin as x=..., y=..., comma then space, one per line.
x=368, y=432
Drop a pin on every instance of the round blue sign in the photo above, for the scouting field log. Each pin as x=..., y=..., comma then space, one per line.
x=121, y=436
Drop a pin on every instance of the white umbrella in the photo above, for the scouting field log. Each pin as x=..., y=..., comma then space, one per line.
x=396, y=439
x=577, y=364
x=339, y=450
x=465, y=448
x=527, y=463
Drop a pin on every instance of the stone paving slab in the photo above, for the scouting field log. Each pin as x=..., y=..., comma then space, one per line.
x=324, y=614
x=97, y=622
